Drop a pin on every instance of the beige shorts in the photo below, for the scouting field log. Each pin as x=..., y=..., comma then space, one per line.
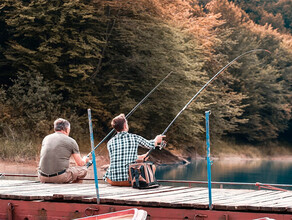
x=72, y=175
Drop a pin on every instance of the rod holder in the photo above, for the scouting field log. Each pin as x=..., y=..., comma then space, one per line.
x=207, y=113
x=93, y=156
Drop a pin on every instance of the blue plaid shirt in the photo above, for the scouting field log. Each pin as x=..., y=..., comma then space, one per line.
x=123, y=150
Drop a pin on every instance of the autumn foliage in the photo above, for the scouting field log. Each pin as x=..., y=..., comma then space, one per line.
x=59, y=58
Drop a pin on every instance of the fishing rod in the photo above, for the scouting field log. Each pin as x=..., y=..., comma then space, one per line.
x=163, y=144
x=132, y=111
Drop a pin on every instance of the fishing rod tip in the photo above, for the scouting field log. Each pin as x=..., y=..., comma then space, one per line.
x=268, y=51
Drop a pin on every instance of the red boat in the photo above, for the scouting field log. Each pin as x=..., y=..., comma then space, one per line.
x=128, y=214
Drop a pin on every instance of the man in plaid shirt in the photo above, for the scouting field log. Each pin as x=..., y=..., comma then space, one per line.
x=123, y=150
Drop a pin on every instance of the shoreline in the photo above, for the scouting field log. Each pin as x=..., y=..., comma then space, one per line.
x=102, y=163
x=239, y=157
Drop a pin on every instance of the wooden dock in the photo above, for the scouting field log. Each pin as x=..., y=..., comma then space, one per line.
x=160, y=203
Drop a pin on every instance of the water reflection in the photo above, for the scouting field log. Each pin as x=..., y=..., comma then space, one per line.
x=244, y=171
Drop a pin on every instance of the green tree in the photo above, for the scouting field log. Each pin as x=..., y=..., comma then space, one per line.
x=143, y=50
x=258, y=77
x=274, y=12
x=29, y=106
x=107, y=55
x=63, y=42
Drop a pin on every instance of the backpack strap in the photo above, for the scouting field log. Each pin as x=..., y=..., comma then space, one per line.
x=136, y=176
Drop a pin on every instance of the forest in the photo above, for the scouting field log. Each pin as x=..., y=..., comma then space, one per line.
x=59, y=58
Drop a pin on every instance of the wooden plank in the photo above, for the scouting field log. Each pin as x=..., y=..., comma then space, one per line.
x=125, y=190
x=203, y=197
x=257, y=199
x=239, y=195
x=157, y=195
x=38, y=190
x=252, y=203
x=217, y=195
x=164, y=196
x=33, y=189
x=158, y=199
x=285, y=197
x=16, y=193
x=229, y=199
x=74, y=189
x=105, y=189
x=128, y=191
x=148, y=202
x=110, y=192
x=173, y=191
x=46, y=192
x=9, y=183
x=238, y=198
x=30, y=187
x=278, y=203
x=149, y=192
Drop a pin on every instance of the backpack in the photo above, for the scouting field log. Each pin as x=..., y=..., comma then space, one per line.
x=142, y=175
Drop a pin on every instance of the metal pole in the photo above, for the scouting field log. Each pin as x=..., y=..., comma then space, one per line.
x=207, y=113
x=93, y=156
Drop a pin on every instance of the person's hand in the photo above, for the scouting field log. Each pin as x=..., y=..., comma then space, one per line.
x=141, y=158
x=85, y=159
x=158, y=139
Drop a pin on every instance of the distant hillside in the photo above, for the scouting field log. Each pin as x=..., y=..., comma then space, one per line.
x=59, y=58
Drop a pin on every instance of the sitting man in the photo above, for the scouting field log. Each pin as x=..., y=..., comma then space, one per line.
x=56, y=151
x=123, y=150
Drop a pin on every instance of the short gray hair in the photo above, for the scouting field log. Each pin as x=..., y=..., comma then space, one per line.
x=61, y=124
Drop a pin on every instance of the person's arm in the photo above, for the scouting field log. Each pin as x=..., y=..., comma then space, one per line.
x=80, y=161
x=149, y=143
x=145, y=143
x=141, y=158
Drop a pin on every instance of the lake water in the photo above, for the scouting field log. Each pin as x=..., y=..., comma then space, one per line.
x=233, y=170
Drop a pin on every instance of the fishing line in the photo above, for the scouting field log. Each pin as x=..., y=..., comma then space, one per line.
x=132, y=111
x=204, y=87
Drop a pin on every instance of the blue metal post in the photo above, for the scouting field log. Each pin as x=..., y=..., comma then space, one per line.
x=207, y=113
x=93, y=156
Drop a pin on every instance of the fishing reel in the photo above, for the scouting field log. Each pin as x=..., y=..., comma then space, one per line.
x=162, y=145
